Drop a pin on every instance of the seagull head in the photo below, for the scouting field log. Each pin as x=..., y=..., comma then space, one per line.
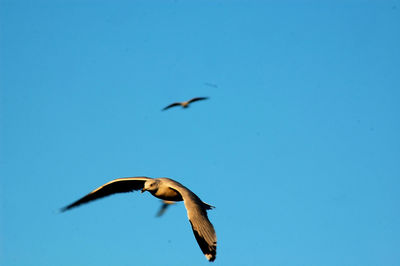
x=150, y=185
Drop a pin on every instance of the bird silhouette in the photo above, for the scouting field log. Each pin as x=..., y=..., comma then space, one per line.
x=185, y=104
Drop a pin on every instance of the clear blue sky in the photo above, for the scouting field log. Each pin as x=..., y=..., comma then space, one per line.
x=298, y=146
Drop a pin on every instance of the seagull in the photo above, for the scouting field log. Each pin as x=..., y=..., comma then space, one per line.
x=169, y=191
x=185, y=104
x=211, y=84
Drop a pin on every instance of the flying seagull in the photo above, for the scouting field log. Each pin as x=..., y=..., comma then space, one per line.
x=185, y=104
x=211, y=84
x=170, y=191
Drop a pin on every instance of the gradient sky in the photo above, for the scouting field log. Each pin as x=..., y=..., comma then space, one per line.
x=298, y=146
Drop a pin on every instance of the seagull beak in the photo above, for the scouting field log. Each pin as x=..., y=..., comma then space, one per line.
x=143, y=190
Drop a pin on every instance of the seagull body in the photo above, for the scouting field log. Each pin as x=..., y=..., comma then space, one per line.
x=185, y=104
x=169, y=191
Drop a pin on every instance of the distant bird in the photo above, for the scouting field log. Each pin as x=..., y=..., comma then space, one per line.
x=164, y=206
x=211, y=84
x=170, y=191
x=185, y=104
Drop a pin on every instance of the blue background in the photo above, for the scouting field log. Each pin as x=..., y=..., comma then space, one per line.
x=298, y=146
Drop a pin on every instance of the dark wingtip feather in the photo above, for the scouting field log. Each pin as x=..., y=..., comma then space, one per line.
x=64, y=209
x=211, y=259
x=170, y=106
x=210, y=251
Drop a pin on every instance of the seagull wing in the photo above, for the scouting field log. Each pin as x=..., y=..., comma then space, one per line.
x=171, y=105
x=119, y=185
x=197, y=99
x=202, y=228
